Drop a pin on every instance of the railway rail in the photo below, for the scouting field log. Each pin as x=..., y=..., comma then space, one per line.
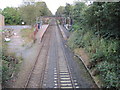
x=63, y=77
x=61, y=72
x=35, y=77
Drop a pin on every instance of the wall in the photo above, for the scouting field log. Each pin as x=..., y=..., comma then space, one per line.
x=2, y=23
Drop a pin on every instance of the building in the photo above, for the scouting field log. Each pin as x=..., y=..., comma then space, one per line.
x=2, y=23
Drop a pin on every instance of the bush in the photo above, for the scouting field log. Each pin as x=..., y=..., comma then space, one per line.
x=75, y=40
x=104, y=55
x=5, y=71
x=10, y=65
x=108, y=74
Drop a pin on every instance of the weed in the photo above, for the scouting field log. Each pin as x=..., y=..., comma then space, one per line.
x=27, y=35
x=10, y=64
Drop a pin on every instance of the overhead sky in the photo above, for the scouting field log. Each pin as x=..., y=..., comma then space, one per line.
x=52, y=4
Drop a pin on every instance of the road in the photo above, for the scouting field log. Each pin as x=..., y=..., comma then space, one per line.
x=56, y=66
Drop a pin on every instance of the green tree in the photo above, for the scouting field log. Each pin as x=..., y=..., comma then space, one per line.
x=104, y=18
x=60, y=11
x=32, y=12
x=28, y=13
x=42, y=9
x=78, y=12
x=68, y=10
x=12, y=16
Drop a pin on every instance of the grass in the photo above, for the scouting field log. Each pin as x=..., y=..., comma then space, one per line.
x=27, y=34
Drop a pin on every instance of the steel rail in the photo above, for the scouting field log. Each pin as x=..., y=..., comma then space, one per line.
x=36, y=60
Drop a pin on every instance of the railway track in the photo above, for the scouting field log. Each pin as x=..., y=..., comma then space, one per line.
x=62, y=74
x=36, y=74
x=57, y=67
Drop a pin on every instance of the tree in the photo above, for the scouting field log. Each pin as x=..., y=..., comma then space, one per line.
x=12, y=16
x=30, y=13
x=104, y=17
x=42, y=9
x=78, y=12
x=60, y=11
x=68, y=10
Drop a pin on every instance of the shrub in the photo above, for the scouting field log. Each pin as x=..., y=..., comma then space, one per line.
x=10, y=66
x=104, y=55
x=75, y=40
x=108, y=74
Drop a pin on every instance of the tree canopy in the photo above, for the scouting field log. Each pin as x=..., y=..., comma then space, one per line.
x=102, y=17
x=12, y=16
x=105, y=18
x=60, y=11
x=30, y=13
x=27, y=13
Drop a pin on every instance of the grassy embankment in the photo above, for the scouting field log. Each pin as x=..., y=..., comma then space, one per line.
x=101, y=56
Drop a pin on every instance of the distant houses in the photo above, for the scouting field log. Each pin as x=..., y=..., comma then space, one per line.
x=2, y=23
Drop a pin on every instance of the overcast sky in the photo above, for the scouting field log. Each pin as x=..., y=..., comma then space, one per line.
x=52, y=4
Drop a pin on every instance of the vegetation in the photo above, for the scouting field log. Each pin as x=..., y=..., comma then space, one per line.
x=60, y=11
x=27, y=34
x=31, y=13
x=27, y=13
x=96, y=29
x=12, y=16
x=0, y=11
x=0, y=57
x=10, y=64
